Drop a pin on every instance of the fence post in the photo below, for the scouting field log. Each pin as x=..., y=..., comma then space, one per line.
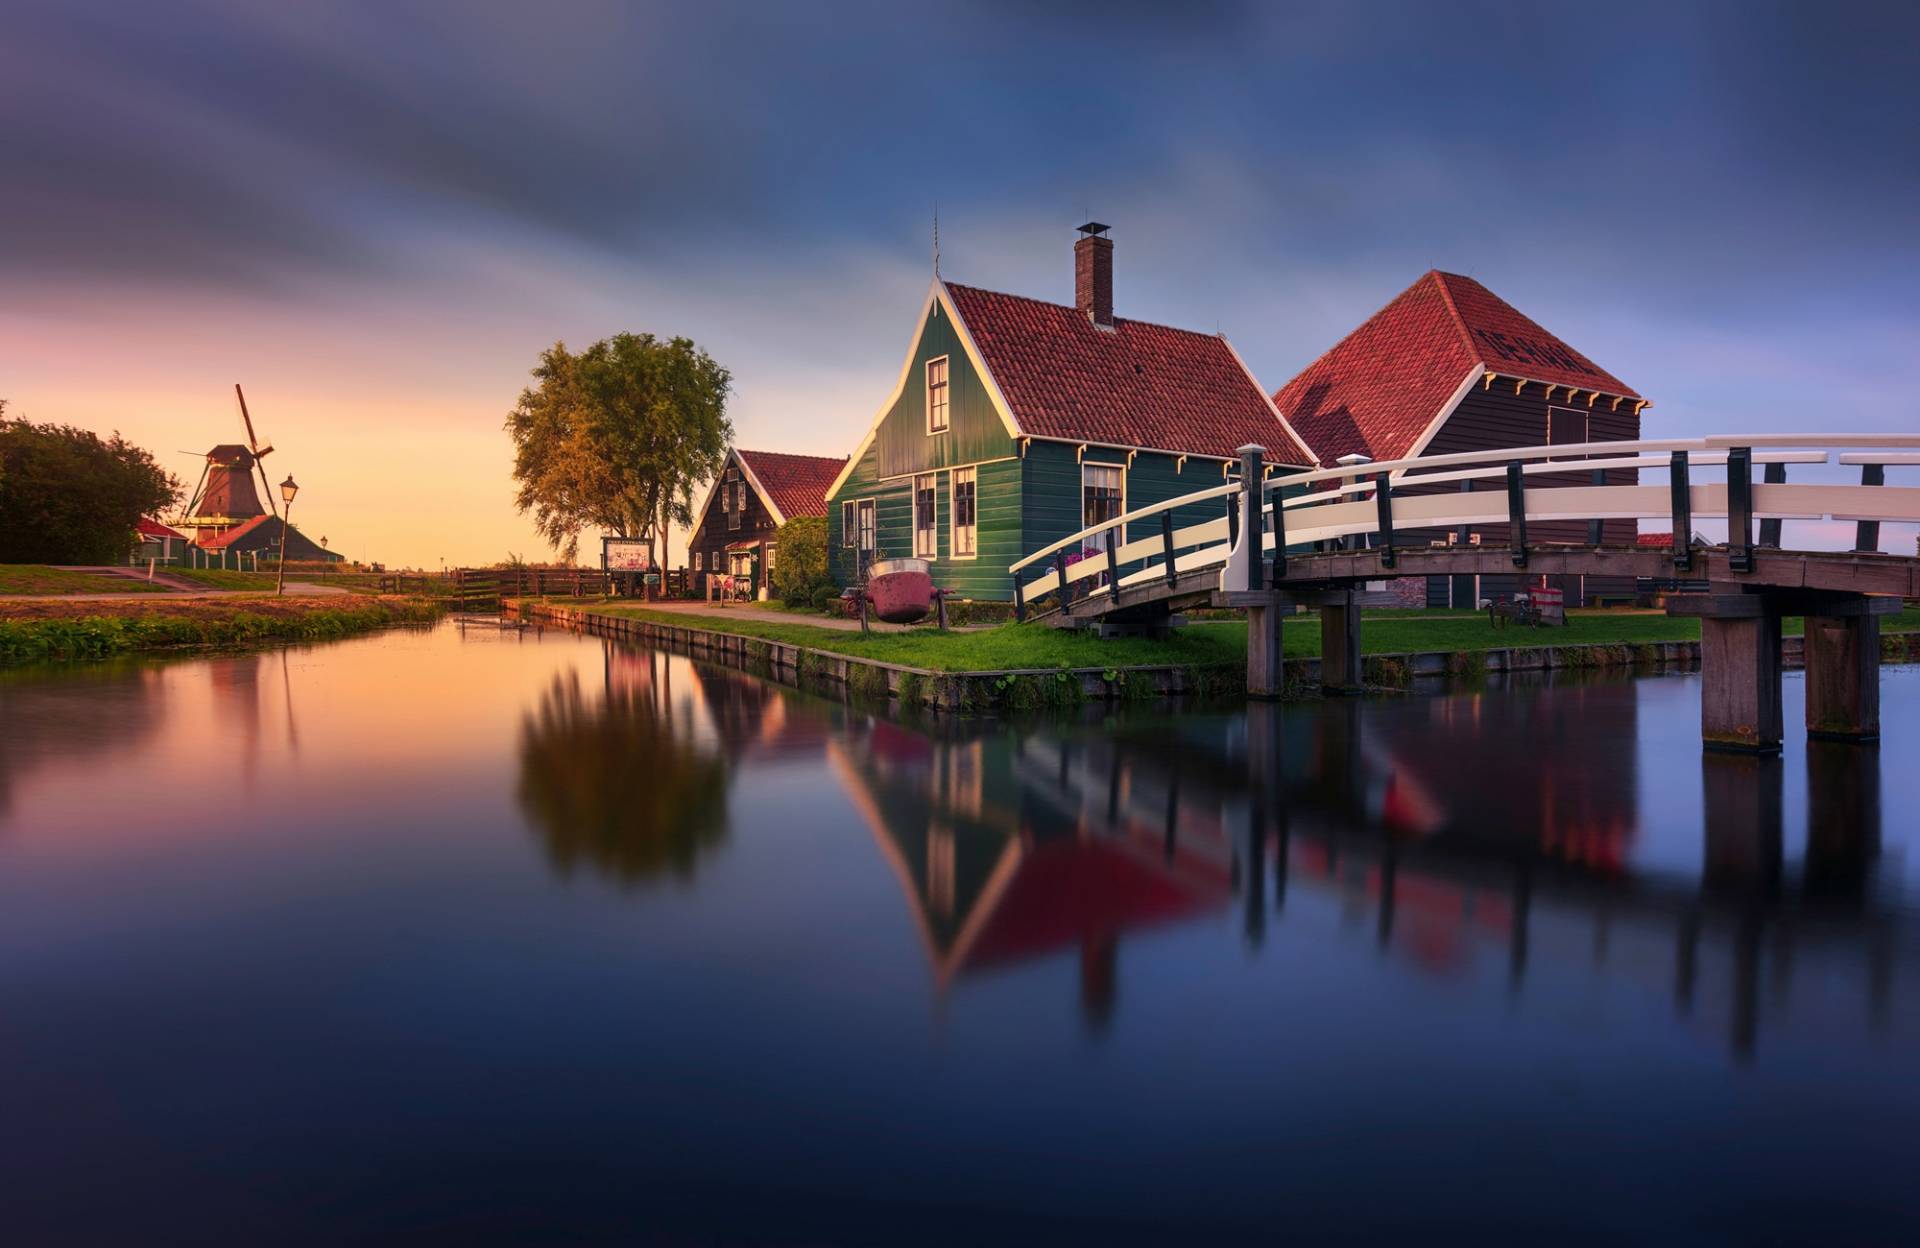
x=1517, y=512
x=1233, y=521
x=1866, y=533
x=1060, y=570
x=1383, y=502
x=1682, y=514
x=1019, y=601
x=1113, y=565
x=1740, y=509
x=1774, y=474
x=1279, y=527
x=1166, y=545
x=1596, y=529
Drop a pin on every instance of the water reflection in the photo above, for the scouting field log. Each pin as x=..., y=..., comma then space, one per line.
x=619, y=779
x=1452, y=830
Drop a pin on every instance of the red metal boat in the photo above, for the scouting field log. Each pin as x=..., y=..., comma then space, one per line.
x=901, y=590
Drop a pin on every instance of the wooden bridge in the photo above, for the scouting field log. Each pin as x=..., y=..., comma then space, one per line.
x=1315, y=539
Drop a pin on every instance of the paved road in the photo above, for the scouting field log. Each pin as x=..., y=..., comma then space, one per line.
x=749, y=611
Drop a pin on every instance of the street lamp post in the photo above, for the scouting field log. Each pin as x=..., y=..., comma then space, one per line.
x=287, y=490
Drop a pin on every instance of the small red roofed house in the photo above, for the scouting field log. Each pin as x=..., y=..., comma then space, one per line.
x=153, y=540
x=754, y=494
x=1449, y=366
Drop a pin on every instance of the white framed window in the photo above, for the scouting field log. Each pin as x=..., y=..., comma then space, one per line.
x=963, y=505
x=849, y=525
x=1103, y=497
x=866, y=526
x=699, y=561
x=734, y=498
x=771, y=548
x=926, y=533
x=937, y=395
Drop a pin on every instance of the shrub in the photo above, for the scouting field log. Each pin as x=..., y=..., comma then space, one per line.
x=825, y=597
x=801, y=564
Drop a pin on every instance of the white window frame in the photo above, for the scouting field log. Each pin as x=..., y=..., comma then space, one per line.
x=869, y=507
x=850, y=524
x=932, y=529
x=953, y=514
x=946, y=394
x=766, y=564
x=1122, y=470
x=699, y=561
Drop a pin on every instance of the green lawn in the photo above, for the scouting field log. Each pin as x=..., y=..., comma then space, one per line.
x=34, y=578
x=1202, y=643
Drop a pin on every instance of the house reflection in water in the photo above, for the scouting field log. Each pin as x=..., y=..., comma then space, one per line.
x=1458, y=828
x=1004, y=855
x=1502, y=832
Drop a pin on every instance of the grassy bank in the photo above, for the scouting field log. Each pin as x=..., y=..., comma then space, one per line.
x=109, y=630
x=34, y=578
x=1201, y=644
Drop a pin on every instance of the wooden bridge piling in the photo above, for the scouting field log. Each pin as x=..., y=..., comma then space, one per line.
x=1340, y=646
x=1843, y=674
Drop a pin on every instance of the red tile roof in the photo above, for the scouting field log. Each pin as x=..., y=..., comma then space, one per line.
x=797, y=484
x=1136, y=385
x=153, y=528
x=1380, y=387
x=1662, y=541
x=229, y=536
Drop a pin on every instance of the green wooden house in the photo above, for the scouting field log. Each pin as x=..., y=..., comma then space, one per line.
x=1016, y=423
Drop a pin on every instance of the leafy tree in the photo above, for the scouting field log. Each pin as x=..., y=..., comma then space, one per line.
x=69, y=496
x=616, y=437
x=801, y=566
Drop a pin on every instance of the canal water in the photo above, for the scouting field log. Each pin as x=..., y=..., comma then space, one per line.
x=472, y=934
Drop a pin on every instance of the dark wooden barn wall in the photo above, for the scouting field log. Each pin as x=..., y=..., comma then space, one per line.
x=1492, y=417
x=711, y=536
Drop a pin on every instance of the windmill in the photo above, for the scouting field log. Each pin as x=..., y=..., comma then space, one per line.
x=225, y=496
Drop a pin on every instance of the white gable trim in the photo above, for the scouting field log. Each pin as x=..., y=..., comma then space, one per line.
x=773, y=509
x=1272, y=406
x=1474, y=375
x=936, y=292
x=733, y=457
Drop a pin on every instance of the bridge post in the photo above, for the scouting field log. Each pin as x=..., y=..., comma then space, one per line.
x=1739, y=669
x=1242, y=571
x=1340, y=646
x=1266, y=667
x=1842, y=649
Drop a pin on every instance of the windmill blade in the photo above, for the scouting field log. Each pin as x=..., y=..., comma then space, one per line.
x=253, y=439
x=259, y=452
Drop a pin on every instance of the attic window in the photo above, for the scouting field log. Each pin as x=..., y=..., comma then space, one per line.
x=937, y=395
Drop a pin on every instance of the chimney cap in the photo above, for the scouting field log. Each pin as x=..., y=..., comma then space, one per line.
x=1093, y=229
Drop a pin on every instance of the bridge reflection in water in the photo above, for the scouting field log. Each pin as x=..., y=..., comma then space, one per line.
x=1505, y=829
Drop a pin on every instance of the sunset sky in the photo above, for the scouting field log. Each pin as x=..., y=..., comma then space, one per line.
x=374, y=216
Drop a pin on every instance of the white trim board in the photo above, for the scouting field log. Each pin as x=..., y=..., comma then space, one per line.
x=1474, y=375
x=936, y=293
x=1274, y=408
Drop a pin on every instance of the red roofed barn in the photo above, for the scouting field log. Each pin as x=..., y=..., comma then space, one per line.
x=1450, y=366
x=1016, y=422
x=755, y=493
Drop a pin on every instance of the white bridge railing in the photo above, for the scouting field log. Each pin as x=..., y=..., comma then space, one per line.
x=1380, y=499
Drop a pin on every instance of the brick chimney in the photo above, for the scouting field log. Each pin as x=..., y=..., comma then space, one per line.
x=1093, y=274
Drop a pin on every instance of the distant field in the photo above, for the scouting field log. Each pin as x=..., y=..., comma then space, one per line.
x=34, y=578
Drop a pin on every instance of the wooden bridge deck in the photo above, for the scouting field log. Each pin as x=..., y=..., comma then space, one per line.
x=1347, y=516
